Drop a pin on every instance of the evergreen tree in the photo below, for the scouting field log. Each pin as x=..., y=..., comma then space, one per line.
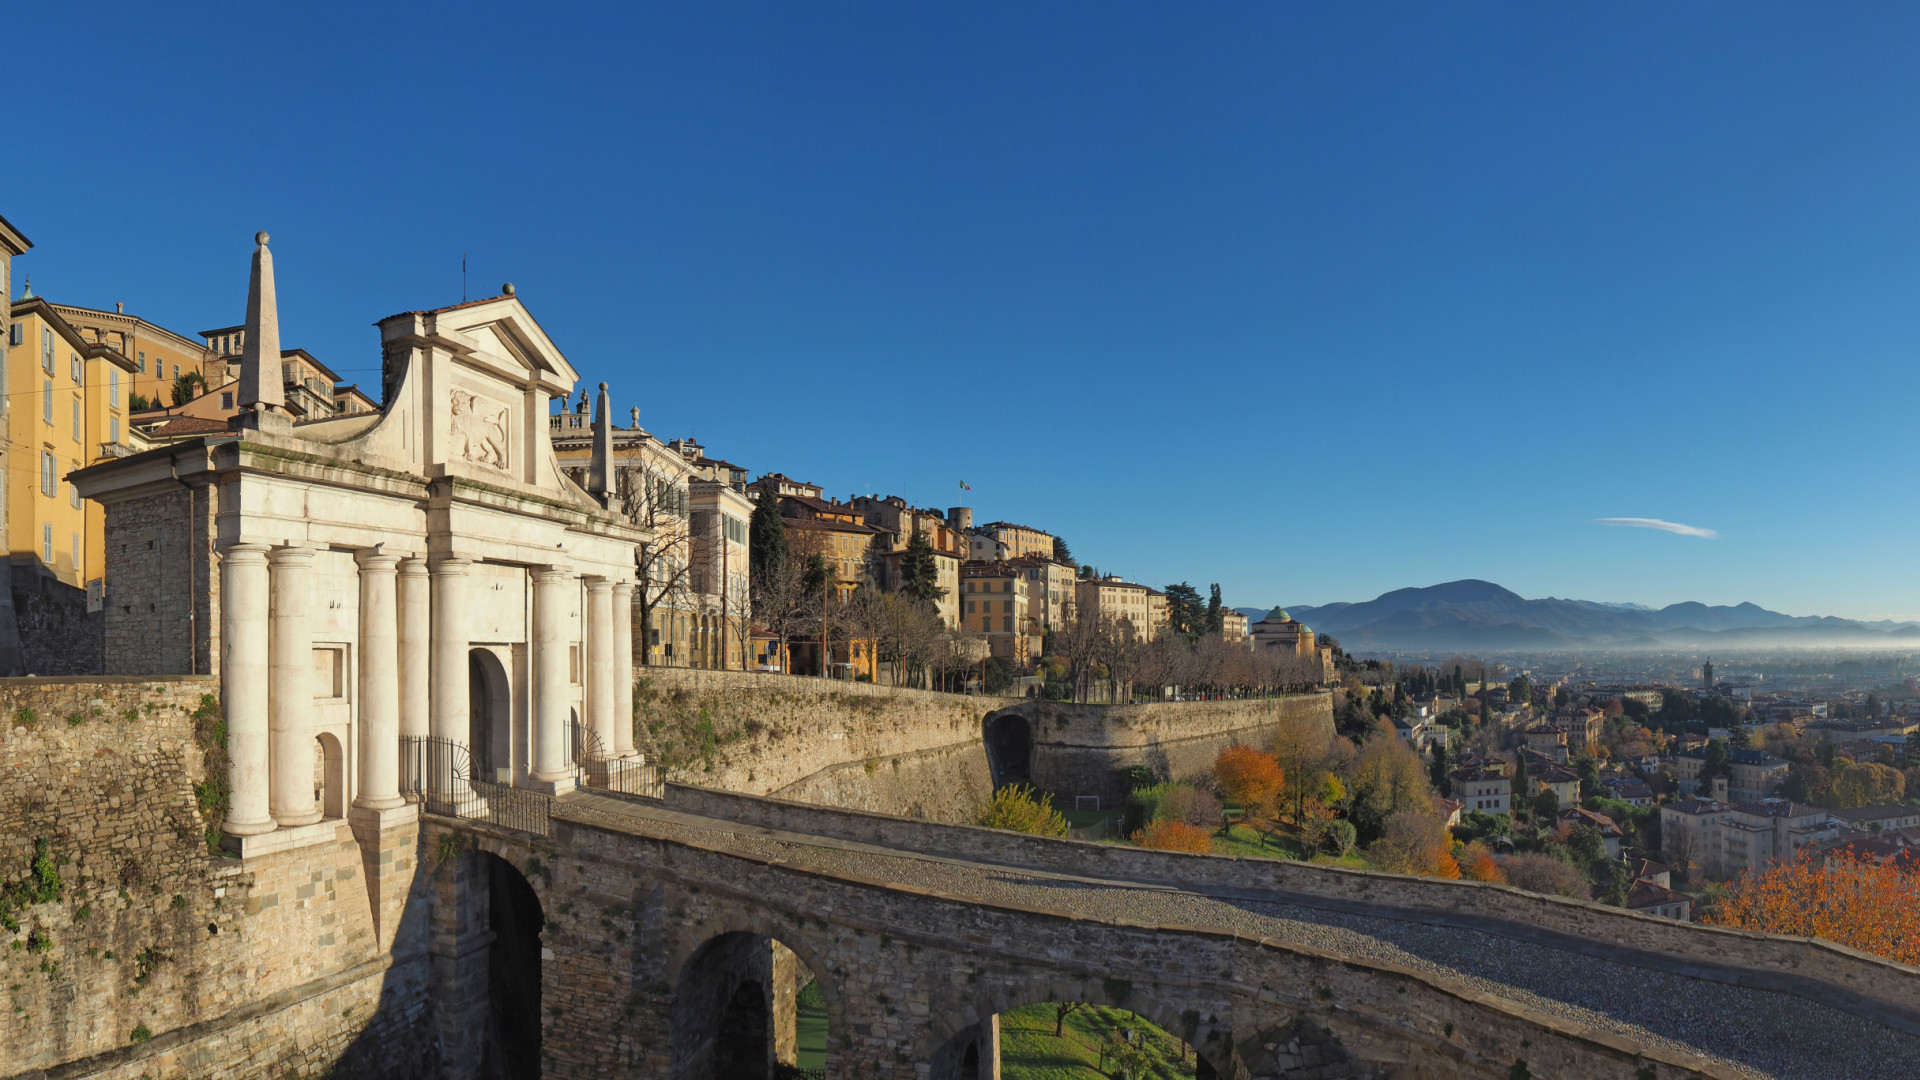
x=920, y=576
x=1186, y=615
x=1442, y=783
x=767, y=534
x=1216, y=620
x=1520, y=784
x=1061, y=553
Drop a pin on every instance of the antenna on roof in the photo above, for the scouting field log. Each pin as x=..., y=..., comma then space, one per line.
x=463, y=277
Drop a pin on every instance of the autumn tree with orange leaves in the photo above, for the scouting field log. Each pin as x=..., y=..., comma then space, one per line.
x=1478, y=864
x=1249, y=777
x=1173, y=836
x=1847, y=899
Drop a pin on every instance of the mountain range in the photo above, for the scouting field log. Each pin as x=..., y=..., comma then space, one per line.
x=1474, y=614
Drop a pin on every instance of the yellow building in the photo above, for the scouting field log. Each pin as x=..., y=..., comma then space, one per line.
x=994, y=602
x=68, y=396
x=1111, y=598
x=159, y=355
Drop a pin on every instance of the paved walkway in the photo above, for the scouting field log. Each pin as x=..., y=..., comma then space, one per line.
x=1762, y=1033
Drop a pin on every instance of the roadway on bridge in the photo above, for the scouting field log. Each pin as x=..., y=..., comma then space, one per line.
x=1762, y=1033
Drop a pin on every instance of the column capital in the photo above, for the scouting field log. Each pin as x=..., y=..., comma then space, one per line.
x=623, y=587
x=290, y=553
x=450, y=564
x=413, y=565
x=374, y=560
x=599, y=585
x=254, y=554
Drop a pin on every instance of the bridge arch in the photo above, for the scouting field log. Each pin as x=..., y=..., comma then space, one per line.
x=1008, y=736
x=733, y=998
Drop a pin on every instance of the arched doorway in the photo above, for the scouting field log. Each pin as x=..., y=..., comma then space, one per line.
x=512, y=1047
x=488, y=718
x=747, y=1008
x=330, y=776
x=1010, y=750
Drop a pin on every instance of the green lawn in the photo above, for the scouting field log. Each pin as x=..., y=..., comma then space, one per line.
x=810, y=1035
x=1247, y=841
x=1028, y=1050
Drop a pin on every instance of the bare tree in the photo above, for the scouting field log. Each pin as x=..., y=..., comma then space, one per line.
x=654, y=497
x=786, y=605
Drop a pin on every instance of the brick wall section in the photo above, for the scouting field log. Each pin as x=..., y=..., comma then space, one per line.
x=250, y=968
x=1846, y=974
x=57, y=636
x=919, y=753
x=160, y=606
x=906, y=972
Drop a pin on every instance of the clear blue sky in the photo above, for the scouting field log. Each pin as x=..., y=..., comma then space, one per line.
x=1311, y=300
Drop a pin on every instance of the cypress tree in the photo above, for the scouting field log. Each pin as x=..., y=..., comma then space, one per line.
x=767, y=533
x=1216, y=621
x=920, y=576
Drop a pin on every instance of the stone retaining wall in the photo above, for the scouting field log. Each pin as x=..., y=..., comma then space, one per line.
x=1844, y=977
x=1086, y=749
x=920, y=753
x=158, y=956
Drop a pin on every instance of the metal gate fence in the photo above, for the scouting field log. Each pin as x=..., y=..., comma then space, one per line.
x=439, y=773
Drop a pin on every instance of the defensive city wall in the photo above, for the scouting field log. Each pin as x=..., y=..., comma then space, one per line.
x=136, y=951
x=926, y=754
x=144, y=953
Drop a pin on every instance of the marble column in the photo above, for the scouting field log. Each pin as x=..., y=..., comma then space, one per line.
x=379, y=705
x=243, y=686
x=416, y=629
x=290, y=715
x=449, y=716
x=600, y=710
x=622, y=668
x=553, y=592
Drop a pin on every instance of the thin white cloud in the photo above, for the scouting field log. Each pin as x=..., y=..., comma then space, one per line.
x=1664, y=526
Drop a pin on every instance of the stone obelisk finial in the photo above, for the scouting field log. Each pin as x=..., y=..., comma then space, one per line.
x=597, y=485
x=260, y=388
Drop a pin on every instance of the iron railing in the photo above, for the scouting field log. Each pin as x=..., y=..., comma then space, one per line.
x=439, y=773
x=627, y=777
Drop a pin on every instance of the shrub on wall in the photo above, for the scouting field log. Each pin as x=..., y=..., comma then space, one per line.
x=1017, y=808
x=1173, y=836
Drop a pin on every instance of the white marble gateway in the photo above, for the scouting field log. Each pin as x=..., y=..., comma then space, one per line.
x=425, y=570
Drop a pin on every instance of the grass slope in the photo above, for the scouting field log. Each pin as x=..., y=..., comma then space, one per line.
x=1028, y=1050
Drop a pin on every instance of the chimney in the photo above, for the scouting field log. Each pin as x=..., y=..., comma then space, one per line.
x=119, y=308
x=602, y=447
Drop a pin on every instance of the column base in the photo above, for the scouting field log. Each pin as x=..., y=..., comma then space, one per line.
x=247, y=847
x=248, y=828
x=559, y=786
x=379, y=819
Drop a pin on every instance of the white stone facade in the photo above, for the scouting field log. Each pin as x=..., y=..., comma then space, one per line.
x=425, y=570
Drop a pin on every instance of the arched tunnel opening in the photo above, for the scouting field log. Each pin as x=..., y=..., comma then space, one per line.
x=511, y=1049
x=1010, y=750
x=748, y=1008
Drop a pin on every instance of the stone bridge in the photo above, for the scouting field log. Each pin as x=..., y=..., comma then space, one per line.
x=675, y=934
